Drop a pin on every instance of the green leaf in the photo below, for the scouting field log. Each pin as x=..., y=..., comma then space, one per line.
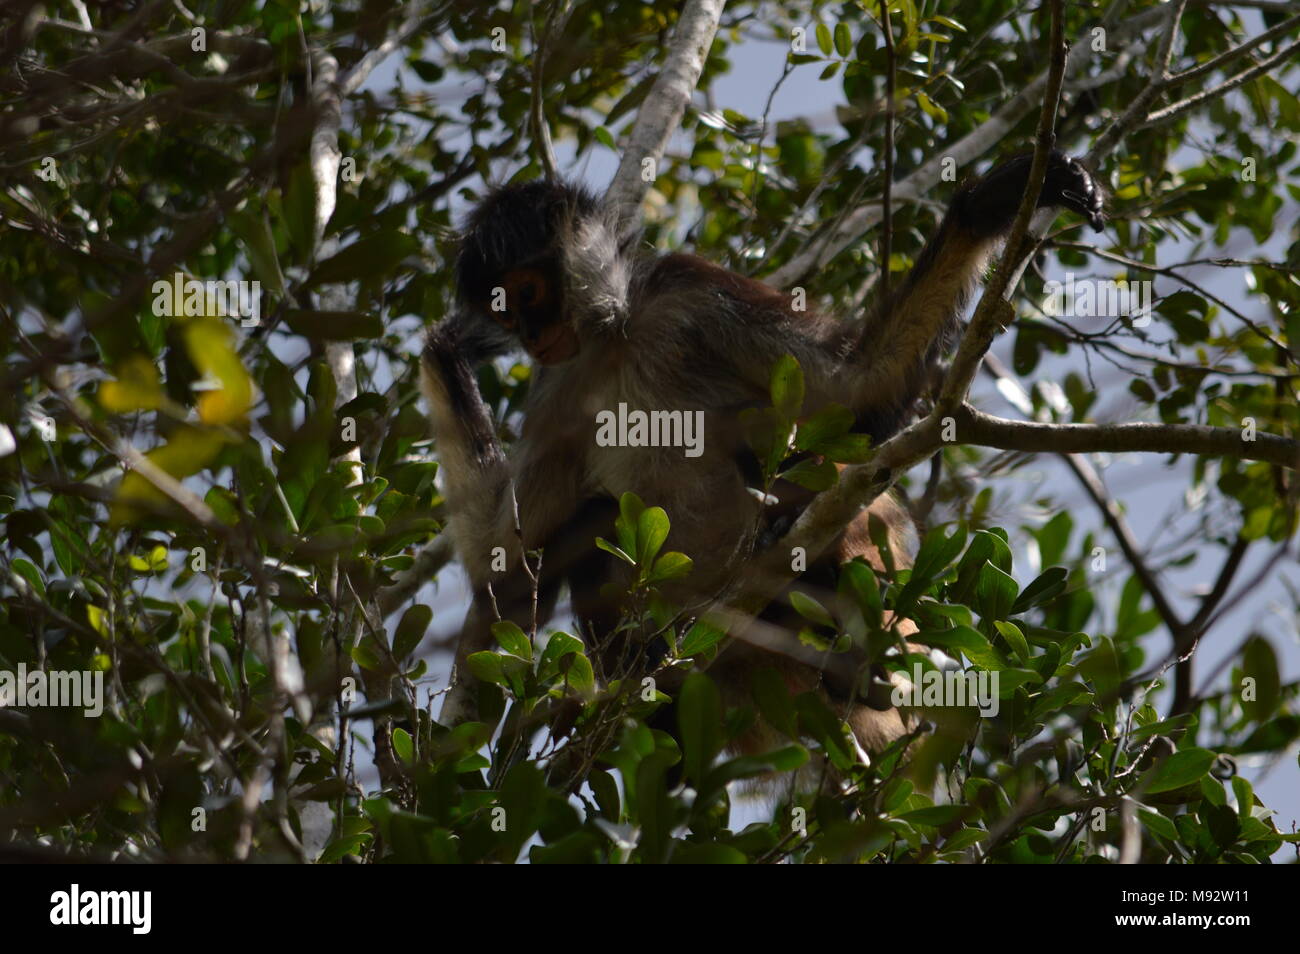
x=137, y=387
x=843, y=40
x=934, y=815
x=366, y=259
x=558, y=645
x=1101, y=668
x=846, y=449
x=824, y=42
x=708, y=853
x=630, y=509
x=580, y=677
x=1259, y=663
x=810, y=609
x=334, y=325
x=814, y=475
x=504, y=671
x=670, y=566
x=1045, y=588
x=858, y=578
x=300, y=210
x=787, y=387
x=969, y=641
x=617, y=551
x=1011, y=679
x=410, y=630
x=938, y=550
x=1159, y=825
x=825, y=726
x=931, y=108
x=254, y=232
x=1015, y=639
x=651, y=532
x=751, y=766
x=28, y=572
x=700, y=638
x=403, y=745
x=948, y=22
x=831, y=421
x=366, y=657
x=995, y=593
x=774, y=702
x=1182, y=768
x=699, y=718
x=512, y=639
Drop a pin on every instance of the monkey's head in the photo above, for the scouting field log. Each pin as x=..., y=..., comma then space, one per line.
x=515, y=261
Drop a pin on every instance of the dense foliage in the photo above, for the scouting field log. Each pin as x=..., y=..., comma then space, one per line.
x=209, y=514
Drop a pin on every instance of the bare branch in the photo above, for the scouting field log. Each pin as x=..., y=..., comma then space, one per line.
x=665, y=104
x=1131, y=117
x=428, y=562
x=542, y=131
x=976, y=427
x=886, y=207
x=417, y=13
x=1283, y=55
x=1236, y=53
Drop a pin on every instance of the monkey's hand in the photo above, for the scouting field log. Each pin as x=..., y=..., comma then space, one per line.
x=1069, y=184
x=468, y=337
x=988, y=205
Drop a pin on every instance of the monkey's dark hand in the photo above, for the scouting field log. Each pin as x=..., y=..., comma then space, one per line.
x=989, y=205
x=468, y=337
x=1069, y=184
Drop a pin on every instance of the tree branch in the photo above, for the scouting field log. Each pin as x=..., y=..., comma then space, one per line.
x=665, y=104
x=994, y=310
x=976, y=427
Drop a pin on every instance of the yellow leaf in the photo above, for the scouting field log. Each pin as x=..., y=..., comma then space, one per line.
x=211, y=347
x=96, y=617
x=137, y=387
x=188, y=452
x=156, y=562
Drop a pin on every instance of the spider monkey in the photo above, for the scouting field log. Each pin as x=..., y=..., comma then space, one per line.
x=542, y=265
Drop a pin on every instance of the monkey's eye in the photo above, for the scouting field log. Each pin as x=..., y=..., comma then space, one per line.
x=526, y=288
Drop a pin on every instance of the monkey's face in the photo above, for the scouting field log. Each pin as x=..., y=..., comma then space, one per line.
x=530, y=305
x=511, y=264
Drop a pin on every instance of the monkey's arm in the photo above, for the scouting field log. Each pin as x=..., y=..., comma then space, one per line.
x=480, y=486
x=903, y=334
x=476, y=479
x=475, y=472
